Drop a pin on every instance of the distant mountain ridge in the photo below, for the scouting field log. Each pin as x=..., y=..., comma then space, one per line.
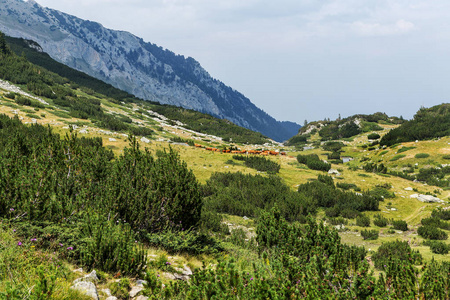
x=142, y=69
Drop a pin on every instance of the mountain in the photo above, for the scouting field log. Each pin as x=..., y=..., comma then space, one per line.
x=140, y=68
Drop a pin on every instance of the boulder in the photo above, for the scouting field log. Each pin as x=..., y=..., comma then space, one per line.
x=426, y=198
x=145, y=140
x=334, y=172
x=91, y=277
x=87, y=288
x=408, y=188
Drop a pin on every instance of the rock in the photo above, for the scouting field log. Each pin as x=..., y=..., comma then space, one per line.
x=394, y=209
x=408, y=188
x=181, y=277
x=426, y=198
x=141, y=298
x=80, y=270
x=335, y=172
x=112, y=140
x=135, y=290
x=83, y=131
x=87, y=288
x=91, y=277
x=245, y=218
x=111, y=298
x=107, y=292
x=140, y=282
x=145, y=140
x=169, y=275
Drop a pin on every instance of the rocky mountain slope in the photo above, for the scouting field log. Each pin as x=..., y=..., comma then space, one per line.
x=140, y=68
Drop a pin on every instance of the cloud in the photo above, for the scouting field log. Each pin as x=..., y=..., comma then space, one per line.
x=377, y=29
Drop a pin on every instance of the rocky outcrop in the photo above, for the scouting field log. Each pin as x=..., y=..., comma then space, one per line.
x=127, y=62
x=426, y=198
x=86, y=285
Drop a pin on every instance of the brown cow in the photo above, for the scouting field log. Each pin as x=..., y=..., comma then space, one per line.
x=198, y=145
x=273, y=153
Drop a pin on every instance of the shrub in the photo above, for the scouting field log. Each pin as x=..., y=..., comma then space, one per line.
x=190, y=242
x=347, y=186
x=437, y=247
x=10, y=95
x=441, y=213
x=23, y=100
x=400, y=225
x=403, y=149
x=397, y=157
x=259, y=163
x=373, y=136
x=421, y=155
x=380, y=221
x=313, y=162
x=369, y=234
x=395, y=250
x=111, y=247
x=363, y=221
x=432, y=233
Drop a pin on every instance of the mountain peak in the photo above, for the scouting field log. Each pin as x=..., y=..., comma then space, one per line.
x=127, y=62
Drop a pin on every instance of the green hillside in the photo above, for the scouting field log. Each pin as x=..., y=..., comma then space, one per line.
x=197, y=121
x=428, y=123
x=89, y=182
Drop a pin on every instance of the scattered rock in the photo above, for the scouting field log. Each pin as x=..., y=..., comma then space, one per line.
x=80, y=270
x=112, y=140
x=141, y=298
x=245, y=218
x=87, y=288
x=169, y=275
x=107, y=292
x=111, y=298
x=394, y=209
x=83, y=131
x=426, y=198
x=335, y=172
x=135, y=290
x=408, y=188
x=145, y=140
x=91, y=277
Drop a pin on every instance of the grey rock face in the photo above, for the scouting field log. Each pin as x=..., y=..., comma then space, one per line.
x=127, y=62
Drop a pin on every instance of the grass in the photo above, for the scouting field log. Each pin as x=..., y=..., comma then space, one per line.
x=24, y=264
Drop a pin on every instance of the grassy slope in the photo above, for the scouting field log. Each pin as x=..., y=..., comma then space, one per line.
x=204, y=163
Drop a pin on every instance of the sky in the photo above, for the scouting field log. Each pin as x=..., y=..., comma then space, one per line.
x=300, y=59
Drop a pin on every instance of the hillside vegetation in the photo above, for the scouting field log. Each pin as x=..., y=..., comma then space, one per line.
x=428, y=123
x=200, y=217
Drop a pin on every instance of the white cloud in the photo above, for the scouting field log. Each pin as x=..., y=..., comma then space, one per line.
x=377, y=29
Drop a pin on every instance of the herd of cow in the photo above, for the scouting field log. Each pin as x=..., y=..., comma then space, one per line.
x=257, y=152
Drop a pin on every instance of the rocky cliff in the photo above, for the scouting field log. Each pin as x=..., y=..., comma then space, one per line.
x=140, y=68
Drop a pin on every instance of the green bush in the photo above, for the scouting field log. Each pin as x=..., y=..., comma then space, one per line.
x=403, y=149
x=373, y=136
x=400, y=225
x=259, y=163
x=397, y=157
x=437, y=247
x=111, y=247
x=246, y=194
x=190, y=242
x=443, y=214
x=313, y=162
x=430, y=232
x=422, y=155
x=398, y=250
x=369, y=234
x=380, y=221
x=363, y=221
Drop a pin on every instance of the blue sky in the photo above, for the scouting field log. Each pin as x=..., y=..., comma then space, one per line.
x=300, y=59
